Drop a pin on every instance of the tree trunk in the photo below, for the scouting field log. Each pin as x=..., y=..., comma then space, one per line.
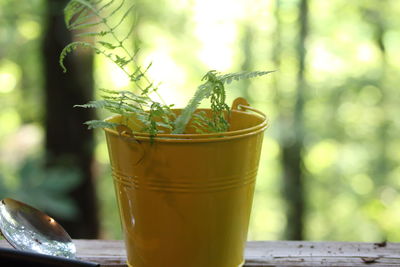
x=292, y=151
x=68, y=142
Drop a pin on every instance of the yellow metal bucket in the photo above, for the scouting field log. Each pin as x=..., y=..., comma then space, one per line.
x=185, y=200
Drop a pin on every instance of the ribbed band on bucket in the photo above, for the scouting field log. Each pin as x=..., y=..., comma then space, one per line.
x=186, y=185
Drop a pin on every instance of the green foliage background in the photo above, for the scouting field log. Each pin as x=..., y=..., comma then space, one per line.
x=351, y=103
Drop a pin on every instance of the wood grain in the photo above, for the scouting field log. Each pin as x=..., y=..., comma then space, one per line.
x=268, y=253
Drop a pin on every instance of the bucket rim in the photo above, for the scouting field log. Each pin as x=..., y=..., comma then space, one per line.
x=220, y=136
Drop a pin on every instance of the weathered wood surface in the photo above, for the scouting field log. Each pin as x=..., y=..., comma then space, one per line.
x=268, y=253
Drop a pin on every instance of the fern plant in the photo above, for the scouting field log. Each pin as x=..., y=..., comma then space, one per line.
x=154, y=116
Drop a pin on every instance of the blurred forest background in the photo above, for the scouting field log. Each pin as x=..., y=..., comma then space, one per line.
x=330, y=166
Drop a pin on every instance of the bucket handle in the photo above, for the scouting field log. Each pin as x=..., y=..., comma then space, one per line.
x=241, y=103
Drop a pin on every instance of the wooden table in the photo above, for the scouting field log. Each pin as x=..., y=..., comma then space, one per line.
x=269, y=253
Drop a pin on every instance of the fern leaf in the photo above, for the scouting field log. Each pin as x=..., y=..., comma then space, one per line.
x=88, y=34
x=127, y=94
x=72, y=9
x=84, y=25
x=213, y=87
x=165, y=125
x=228, y=78
x=128, y=34
x=202, y=92
x=69, y=48
x=109, y=92
x=107, y=45
x=93, y=104
x=123, y=17
x=79, y=11
x=93, y=124
x=121, y=61
x=140, y=74
x=75, y=7
x=153, y=116
x=116, y=9
x=135, y=98
x=81, y=18
x=106, y=5
x=130, y=105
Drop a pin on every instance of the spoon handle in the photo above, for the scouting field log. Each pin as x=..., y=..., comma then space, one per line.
x=13, y=257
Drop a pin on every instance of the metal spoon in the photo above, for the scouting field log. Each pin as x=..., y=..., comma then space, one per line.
x=31, y=230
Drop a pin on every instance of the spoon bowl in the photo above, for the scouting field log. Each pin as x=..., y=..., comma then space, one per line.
x=29, y=229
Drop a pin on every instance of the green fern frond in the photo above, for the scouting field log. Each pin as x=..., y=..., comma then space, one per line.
x=107, y=45
x=84, y=25
x=121, y=61
x=125, y=96
x=69, y=48
x=142, y=74
x=90, y=13
x=228, y=78
x=129, y=10
x=83, y=16
x=93, y=124
x=202, y=92
x=108, y=91
x=115, y=10
x=71, y=10
x=106, y=5
x=79, y=10
x=200, y=122
x=94, y=104
x=116, y=106
x=129, y=33
x=213, y=88
x=92, y=34
x=92, y=16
